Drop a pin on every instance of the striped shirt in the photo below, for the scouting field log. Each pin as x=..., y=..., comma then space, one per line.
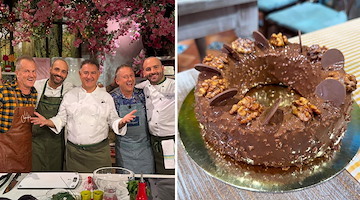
x=8, y=103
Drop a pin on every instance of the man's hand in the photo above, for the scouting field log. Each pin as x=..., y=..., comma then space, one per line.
x=127, y=118
x=41, y=120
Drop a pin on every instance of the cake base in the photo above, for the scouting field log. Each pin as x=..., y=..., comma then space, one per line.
x=258, y=178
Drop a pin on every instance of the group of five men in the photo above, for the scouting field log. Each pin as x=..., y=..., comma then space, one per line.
x=86, y=112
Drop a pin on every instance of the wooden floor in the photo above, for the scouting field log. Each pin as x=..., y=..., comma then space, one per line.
x=190, y=56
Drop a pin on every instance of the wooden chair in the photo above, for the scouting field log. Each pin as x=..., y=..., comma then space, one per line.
x=268, y=6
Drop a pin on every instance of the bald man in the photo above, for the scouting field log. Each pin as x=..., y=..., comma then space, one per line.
x=160, y=107
x=47, y=146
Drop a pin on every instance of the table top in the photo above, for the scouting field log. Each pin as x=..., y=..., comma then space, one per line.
x=41, y=194
x=45, y=194
x=195, y=183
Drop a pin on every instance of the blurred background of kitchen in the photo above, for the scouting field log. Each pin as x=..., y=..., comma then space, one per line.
x=205, y=25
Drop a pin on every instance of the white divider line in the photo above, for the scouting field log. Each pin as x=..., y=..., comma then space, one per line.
x=154, y=176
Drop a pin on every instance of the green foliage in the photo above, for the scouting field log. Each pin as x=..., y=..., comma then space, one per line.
x=132, y=187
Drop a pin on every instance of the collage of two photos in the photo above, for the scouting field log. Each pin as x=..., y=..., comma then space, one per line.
x=268, y=99
x=185, y=99
x=87, y=99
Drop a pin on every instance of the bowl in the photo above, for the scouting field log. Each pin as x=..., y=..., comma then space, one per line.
x=112, y=180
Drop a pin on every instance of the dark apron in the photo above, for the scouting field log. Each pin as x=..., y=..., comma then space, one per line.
x=87, y=158
x=133, y=150
x=15, y=144
x=159, y=154
x=47, y=146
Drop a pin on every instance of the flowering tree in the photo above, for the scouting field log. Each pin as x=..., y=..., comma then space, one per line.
x=88, y=21
x=6, y=18
x=156, y=20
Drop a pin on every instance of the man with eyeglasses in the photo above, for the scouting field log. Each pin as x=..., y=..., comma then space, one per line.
x=133, y=150
x=48, y=147
x=87, y=111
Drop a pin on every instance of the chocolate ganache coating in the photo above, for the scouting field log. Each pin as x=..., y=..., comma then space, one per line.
x=308, y=126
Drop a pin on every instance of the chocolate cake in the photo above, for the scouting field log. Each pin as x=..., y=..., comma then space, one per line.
x=273, y=103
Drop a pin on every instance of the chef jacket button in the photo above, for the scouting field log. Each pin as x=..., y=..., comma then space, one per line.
x=156, y=123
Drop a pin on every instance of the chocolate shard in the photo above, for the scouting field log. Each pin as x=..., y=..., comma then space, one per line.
x=331, y=90
x=201, y=67
x=270, y=112
x=222, y=96
x=231, y=51
x=332, y=59
x=300, y=43
x=261, y=40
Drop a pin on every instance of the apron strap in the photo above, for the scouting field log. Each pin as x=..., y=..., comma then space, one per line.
x=61, y=92
x=43, y=92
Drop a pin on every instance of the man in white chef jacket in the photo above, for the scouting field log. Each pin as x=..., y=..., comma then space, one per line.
x=160, y=108
x=87, y=111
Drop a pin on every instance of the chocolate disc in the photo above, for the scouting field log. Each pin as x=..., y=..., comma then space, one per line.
x=201, y=67
x=260, y=39
x=224, y=50
x=331, y=90
x=332, y=59
x=271, y=111
x=222, y=96
x=231, y=51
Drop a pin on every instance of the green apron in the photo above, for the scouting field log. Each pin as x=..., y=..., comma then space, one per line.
x=47, y=146
x=87, y=158
x=133, y=150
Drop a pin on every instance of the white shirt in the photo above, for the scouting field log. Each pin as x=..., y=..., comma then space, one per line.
x=50, y=92
x=160, y=107
x=87, y=116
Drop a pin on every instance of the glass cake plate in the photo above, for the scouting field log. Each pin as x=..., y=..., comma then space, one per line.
x=258, y=178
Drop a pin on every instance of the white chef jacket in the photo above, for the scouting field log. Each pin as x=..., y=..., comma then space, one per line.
x=51, y=92
x=160, y=107
x=87, y=116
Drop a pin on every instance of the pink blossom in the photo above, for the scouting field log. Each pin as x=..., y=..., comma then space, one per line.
x=87, y=19
x=77, y=42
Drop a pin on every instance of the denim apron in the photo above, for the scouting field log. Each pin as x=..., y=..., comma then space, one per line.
x=47, y=146
x=133, y=150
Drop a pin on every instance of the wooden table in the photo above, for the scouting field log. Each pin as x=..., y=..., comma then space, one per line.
x=194, y=183
x=199, y=18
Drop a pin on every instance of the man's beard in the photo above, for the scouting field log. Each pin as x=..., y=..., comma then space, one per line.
x=56, y=81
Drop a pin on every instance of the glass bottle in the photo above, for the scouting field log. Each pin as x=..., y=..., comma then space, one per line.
x=141, y=194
